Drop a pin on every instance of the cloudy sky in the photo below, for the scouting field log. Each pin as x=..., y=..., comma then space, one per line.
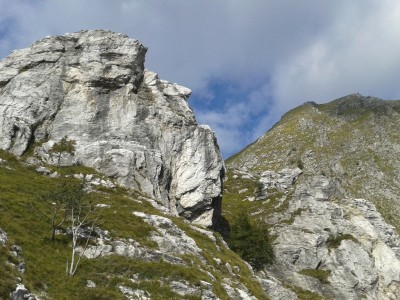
x=247, y=62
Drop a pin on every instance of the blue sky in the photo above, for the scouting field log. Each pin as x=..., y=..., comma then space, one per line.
x=247, y=62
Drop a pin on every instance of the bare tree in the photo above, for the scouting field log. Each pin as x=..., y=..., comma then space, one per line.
x=82, y=226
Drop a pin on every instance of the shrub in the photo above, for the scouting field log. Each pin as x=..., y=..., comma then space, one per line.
x=251, y=242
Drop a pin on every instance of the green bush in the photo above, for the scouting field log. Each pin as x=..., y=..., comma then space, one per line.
x=251, y=242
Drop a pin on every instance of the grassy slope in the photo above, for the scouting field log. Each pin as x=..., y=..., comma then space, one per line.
x=45, y=261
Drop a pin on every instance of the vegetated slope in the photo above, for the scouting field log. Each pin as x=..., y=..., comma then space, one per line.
x=137, y=251
x=86, y=99
x=326, y=178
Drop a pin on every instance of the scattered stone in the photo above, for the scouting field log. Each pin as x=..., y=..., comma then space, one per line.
x=229, y=268
x=135, y=278
x=21, y=267
x=183, y=288
x=90, y=284
x=102, y=205
x=134, y=294
x=16, y=250
x=43, y=170
x=217, y=260
x=3, y=237
x=236, y=293
x=169, y=237
x=78, y=176
x=54, y=175
x=22, y=293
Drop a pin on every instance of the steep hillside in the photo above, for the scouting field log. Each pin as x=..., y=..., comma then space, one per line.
x=138, y=250
x=326, y=180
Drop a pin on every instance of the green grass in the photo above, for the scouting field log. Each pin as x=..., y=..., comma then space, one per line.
x=304, y=294
x=210, y=251
x=321, y=275
x=233, y=201
x=45, y=261
x=21, y=185
x=334, y=241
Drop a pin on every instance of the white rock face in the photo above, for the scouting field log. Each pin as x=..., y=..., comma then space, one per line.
x=169, y=237
x=363, y=260
x=92, y=87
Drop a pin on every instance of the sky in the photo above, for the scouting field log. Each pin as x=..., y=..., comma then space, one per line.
x=246, y=62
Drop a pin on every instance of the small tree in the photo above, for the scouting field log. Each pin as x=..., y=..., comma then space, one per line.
x=53, y=205
x=251, y=242
x=69, y=205
x=63, y=146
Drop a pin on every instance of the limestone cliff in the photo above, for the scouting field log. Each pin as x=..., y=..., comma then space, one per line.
x=92, y=87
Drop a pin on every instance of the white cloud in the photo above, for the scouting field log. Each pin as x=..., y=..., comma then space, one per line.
x=358, y=52
x=307, y=50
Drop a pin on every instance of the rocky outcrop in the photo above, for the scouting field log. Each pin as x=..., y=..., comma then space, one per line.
x=173, y=244
x=92, y=88
x=22, y=293
x=344, y=239
x=326, y=180
x=325, y=242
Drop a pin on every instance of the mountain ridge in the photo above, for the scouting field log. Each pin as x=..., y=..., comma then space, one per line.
x=319, y=178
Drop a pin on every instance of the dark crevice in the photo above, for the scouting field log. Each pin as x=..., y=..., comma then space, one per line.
x=111, y=55
x=223, y=228
x=110, y=84
x=4, y=83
